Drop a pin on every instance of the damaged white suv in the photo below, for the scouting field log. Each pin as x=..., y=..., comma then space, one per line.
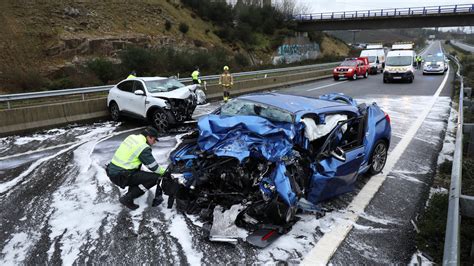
x=161, y=101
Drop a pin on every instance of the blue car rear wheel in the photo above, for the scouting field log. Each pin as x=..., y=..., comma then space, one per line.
x=378, y=157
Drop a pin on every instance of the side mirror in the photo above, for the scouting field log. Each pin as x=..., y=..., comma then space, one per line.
x=339, y=154
x=139, y=92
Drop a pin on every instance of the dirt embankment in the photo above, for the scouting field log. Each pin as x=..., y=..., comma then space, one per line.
x=43, y=38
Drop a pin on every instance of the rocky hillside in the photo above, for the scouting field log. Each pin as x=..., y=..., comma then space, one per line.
x=44, y=40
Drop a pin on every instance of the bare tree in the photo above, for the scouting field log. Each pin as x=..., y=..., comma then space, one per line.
x=291, y=7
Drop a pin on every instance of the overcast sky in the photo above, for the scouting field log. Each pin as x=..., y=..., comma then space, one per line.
x=316, y=6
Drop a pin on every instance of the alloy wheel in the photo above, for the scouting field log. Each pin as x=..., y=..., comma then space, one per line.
x=379, y=157
x=160, y=121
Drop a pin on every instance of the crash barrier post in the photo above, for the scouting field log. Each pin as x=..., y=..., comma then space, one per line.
x=458, y=205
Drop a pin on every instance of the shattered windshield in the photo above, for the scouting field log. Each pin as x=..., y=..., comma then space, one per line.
x=399, y=60
x=163, y=85
x=242, y=107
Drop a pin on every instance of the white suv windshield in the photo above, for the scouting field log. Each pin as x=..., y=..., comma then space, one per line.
x=399, y=61
x=163, y=85
x=242, y=107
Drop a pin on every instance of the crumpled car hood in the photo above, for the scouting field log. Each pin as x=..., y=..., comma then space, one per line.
x=181, y=93
x=239, y=136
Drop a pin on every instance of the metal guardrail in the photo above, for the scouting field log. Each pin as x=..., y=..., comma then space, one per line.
x=43, y=94
x=458, y=204
x=388, y=12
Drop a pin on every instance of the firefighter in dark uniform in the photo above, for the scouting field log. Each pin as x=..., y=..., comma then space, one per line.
x=124, y=169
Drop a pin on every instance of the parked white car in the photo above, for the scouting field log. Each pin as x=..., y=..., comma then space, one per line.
x=161, y=101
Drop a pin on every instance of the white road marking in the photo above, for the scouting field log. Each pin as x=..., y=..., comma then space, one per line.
x=328, y=244
x=325, y=86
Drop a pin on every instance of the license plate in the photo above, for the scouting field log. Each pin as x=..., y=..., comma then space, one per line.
x=341, y=76
x=397, y=77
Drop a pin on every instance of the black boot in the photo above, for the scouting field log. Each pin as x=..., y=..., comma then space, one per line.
x=158, y=197
x=127, y=199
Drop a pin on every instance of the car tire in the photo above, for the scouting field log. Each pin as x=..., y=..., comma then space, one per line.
x=114, y=111
x=410, y=80
x=336, y=78
x=160, y=120
x=366, y=75
x=354, y=77
x=378, y=158
x=385, y=80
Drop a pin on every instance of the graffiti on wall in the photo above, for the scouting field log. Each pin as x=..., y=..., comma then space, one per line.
x=290, y=53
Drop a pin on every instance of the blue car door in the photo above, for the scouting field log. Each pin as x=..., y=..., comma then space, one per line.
x=340, y=159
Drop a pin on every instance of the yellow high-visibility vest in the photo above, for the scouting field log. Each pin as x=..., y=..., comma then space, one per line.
x=127, y=154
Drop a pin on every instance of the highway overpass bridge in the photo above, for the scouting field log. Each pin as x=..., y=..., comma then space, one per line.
x=418, y=17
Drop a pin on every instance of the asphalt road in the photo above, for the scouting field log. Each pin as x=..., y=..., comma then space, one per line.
x=58, y=205
x=463, y=46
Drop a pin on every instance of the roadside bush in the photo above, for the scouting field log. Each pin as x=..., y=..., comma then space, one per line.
x=29, y=79
x=103, y=69
x=241, y=60
x=168, y=25
x=141, y=60
x=183, y=27
x=60, y=84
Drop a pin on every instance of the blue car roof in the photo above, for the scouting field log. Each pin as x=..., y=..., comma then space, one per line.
x=298, y=104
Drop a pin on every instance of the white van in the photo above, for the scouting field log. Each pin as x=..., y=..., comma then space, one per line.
x=399, y=64
x=376, y=58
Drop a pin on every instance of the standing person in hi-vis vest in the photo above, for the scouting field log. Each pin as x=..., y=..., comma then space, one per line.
x=124, y=169
x=195, y=76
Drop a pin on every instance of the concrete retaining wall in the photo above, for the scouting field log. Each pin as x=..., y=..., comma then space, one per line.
x=21, y=120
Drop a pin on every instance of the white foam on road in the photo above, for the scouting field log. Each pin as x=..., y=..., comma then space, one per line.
x=328, y=244
x=77, y=209
x=178, y=228
x=447, y=152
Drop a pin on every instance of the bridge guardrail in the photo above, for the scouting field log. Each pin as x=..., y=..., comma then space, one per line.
x=458, y=204
x=388, y=12
x=86, y=90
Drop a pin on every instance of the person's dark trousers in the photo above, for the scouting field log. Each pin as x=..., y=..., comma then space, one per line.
x=138, y=182
x=195, y=81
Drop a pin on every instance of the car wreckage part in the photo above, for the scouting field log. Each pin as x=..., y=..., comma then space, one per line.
x=183, y=109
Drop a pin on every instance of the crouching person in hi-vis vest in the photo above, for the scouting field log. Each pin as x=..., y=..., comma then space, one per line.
x=124, y=169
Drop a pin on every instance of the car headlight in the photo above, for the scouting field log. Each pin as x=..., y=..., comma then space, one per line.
x=350, y=70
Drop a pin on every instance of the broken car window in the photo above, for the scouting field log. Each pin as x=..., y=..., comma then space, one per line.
x=163, y=85
x=242, y=107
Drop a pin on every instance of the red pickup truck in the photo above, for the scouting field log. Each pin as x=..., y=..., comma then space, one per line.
x=352, y=68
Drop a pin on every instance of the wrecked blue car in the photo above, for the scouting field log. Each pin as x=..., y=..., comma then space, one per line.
x=275, y=154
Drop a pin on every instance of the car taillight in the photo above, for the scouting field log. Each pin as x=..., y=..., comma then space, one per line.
x=387, y=117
